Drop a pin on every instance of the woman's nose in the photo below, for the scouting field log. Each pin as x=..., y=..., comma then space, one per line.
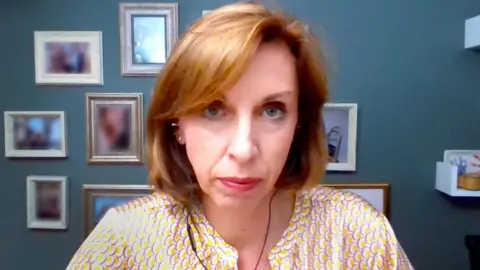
x=242, y=146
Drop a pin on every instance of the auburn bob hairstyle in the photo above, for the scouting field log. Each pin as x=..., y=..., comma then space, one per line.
x=205, y=63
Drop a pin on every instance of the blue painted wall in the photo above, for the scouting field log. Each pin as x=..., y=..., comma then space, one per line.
x=418, y=92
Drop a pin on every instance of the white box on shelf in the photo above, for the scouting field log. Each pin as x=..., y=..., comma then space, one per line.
x=472, y=33
x=446, y=181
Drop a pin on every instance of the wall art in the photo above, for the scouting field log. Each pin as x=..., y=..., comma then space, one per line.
x=98, y=199
x=68, y=58
x=148, y=32
x=47, y=202
x=377, y=194
x=30, y=134
x=340, y=120
x=114, y=127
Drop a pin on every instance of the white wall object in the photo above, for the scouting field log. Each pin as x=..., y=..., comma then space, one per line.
x=446, y=181
x=472, y=33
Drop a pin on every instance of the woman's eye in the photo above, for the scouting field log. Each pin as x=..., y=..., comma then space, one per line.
x=274, y=111
x=214, y=110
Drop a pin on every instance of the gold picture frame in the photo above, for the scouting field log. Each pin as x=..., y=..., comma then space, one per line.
x=114, y=128
x=378, y=194
x=99, y=198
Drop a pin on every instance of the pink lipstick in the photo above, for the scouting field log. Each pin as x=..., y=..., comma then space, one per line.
x=240, y=184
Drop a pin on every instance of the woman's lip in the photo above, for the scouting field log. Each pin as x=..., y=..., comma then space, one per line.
x=240, y=184
x=240, y=180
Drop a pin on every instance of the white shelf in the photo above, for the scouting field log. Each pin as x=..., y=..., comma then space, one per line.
x=446, y=181
x=472, y=33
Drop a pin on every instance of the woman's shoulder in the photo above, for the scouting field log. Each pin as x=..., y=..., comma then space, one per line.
x=345, y=202
x=139, y=213
x=159, y=205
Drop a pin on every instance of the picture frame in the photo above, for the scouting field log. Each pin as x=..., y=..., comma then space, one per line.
x=340, y=120
x=378, y=194
x=114, y=128
x=68, y=58
x=99, y=198
x=144, y=51
x=35, y=134
x=47, y=202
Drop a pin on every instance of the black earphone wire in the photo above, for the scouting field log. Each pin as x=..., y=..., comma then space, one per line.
x=189, y=227
x=192, y=240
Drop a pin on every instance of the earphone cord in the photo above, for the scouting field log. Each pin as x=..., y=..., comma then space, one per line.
x=194, y=248
x=189, y=227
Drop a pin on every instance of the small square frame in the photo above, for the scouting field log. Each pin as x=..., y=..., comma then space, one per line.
x=127, y=12
x=10, y=150
x=32, y=221
x=135, y=155
x=94, y=38
x=377, y=194
x=350, y=164
x=93, y=192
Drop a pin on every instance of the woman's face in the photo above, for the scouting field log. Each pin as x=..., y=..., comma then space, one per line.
x=238, y=146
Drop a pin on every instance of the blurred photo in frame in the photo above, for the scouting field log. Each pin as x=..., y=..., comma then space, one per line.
x=35, y=134
x=340, y=123
x=148, y=31
x=47, y=202
x=114, y=128
x=98, y=199
x=68, y=58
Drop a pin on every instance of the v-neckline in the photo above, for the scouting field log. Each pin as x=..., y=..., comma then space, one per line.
x=213, y=244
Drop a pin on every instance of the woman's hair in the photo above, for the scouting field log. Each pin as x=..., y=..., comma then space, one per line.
x=205, y=64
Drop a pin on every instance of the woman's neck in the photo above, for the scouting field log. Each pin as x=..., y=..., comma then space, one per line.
x=243, y=227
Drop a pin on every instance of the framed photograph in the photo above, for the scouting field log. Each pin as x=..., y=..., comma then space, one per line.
x=98, y=199
x=114, y=127
x=31, y=134
x=148, y=32
x=378, y=194
x=340, y=120
x=47, y=202
x=68, y=58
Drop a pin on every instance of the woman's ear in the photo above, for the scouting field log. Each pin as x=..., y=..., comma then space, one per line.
x=177, y=132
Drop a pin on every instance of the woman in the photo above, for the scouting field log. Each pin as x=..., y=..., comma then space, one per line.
x=237, y=148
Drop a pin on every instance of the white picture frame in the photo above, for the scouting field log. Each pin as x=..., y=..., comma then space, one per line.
x=47, y=202
x=82, y=54
x=340, y=120
x=377, y=194
x=152, y=19
x=35, y=134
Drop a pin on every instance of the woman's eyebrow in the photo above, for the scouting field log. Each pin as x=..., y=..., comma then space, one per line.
x=278, y=95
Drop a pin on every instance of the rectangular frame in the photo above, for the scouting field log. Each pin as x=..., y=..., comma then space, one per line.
x=92, y=192
x=351, y=150
x=32, y=221
x=135, y=153
x=127, y=12
x=10, y=150
x=94, y=38
x=369, y=191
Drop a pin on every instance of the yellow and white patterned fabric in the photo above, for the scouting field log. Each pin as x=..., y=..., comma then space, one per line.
x=329, y=229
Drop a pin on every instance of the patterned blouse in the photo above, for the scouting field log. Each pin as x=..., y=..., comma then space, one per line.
x=329, y=229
